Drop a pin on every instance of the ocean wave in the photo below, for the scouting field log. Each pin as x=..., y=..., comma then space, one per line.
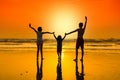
x=17, y=40
x=97, y=45
x=53, y=40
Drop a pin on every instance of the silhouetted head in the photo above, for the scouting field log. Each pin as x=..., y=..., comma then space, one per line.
x=80, y=25
x=59, y=37
x=39, y=28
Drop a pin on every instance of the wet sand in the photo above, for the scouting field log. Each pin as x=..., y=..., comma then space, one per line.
x=20, y=63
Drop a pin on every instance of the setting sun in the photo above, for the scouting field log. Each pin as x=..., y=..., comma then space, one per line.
x=30, y=48
x=59, y=16
x=62, y=18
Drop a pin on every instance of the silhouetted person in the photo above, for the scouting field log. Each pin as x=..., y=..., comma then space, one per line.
x=59, y=70
x=39, y=70
x=59, y=40
x=39, y=39
x=80, y=76
x=80, y=40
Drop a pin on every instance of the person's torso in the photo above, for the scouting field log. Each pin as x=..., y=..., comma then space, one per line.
x=39, y=36
x=59, y=43
x=80, y=33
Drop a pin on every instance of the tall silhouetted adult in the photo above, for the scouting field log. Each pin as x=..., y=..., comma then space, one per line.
x=59, y=70
x=39, y=39
x=39, y=70
x=80, y=40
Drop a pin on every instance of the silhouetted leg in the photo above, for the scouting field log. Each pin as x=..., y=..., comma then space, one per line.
x=82, y=53
x=58, y=52
x=41, y=51
x=77, y=47
x=82, y=50
x=37, y=51
x=76, y=54
x=60, y=55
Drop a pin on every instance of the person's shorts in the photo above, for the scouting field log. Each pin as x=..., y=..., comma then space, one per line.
x=59, y=50
x=80, y=42
x=39, y=42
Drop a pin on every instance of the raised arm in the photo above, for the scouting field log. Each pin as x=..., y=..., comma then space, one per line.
x=32, y=27
x=64, y=36
x=72, y=32
x=85, y=23
x=54, y=36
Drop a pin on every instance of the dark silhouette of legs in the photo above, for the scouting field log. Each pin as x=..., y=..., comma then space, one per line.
x=82, y=51
x=58, y=52
x=77, y=47
x=60, y=55
x=39, y=48
x=37, y=51
x=41, y=51
x=76, y=54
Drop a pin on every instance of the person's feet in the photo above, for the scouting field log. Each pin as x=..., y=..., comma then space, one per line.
x=75, y=60
x=81, y=59
x=42, y=58
x=82, y=74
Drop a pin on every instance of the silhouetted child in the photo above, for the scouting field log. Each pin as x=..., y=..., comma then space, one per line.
x=39, y=39
x=80, y=40
x=59, y=40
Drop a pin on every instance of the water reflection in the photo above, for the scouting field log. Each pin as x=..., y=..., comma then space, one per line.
x=80, y=76
x=39, y=70
x=59, y=70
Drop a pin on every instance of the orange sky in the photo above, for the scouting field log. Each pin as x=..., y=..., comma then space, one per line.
x=59, y=16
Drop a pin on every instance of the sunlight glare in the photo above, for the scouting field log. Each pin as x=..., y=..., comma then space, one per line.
x=63, y=20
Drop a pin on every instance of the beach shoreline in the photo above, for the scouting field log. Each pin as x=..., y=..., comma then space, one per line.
x=18, y=61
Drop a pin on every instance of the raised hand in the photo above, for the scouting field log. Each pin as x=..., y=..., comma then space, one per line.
x=86, y=17
x=65, y=33
x=30, y=25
